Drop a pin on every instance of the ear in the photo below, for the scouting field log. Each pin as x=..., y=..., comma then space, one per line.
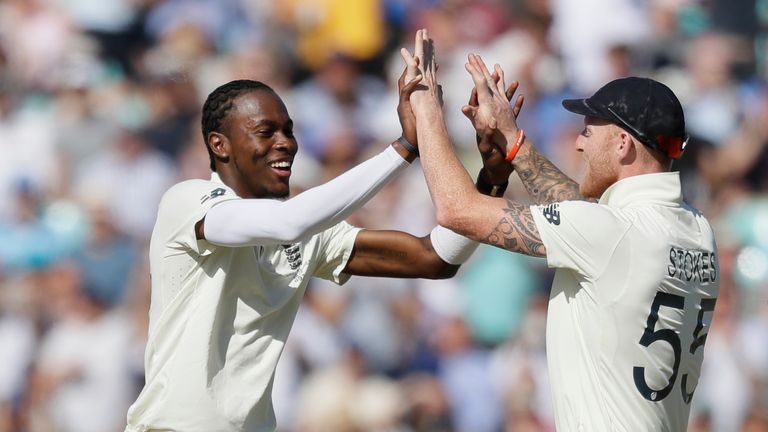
x=219, y=145
x=626, y=149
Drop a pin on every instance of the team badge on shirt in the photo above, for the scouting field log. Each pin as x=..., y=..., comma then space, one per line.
x=552, y=213
x=293, y=255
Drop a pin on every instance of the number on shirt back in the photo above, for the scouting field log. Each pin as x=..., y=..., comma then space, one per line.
x=651, y=335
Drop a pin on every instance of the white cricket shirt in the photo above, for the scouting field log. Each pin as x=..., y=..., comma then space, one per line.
x=219, y=317
x=631, y=304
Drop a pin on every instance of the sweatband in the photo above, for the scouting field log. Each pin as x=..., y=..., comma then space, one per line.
x=451, y=247
x=250, y=222
x=408, y=146
x=486, y=188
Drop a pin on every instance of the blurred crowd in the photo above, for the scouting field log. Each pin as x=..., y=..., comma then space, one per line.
x=100, y=112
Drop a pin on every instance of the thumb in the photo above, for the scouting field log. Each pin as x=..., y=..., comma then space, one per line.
x=485, y=147
x=469, y=111
x=408, y=88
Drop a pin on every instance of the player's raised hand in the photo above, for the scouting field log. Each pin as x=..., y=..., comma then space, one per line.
x=406, y=84
x=428, y=95
x=470, y=109
x=496, y=169
x=492, y=111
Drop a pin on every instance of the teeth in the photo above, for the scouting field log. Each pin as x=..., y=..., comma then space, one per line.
x=280, y=165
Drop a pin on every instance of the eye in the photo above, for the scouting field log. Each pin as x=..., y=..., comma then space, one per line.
x=289, y=133
x=265, y=132
x=585, y=132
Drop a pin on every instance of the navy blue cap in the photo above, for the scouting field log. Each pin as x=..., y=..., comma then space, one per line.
x=646, y=108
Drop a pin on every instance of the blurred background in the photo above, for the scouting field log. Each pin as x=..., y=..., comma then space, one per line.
x=99, y=115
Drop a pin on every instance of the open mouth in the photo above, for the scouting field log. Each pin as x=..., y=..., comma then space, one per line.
x=282, y=168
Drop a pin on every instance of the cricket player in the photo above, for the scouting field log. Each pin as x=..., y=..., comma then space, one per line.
x=637, y=270
x=231, y=257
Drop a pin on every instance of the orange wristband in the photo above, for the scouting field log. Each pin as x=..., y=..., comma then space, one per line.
x=516, y=146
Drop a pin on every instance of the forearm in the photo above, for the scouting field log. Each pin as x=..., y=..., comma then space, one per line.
x=542, y=179
x=515, y=231
x=397, y=254
x=250, y=222
x=449, y=184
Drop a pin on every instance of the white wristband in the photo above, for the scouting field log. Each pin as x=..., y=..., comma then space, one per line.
x=451, y=247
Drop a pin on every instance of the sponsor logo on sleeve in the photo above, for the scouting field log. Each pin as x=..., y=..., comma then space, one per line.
x=552, y=213
x=214, y=194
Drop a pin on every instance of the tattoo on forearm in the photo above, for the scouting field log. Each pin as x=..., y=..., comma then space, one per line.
x=384, y=253
x=516, y=231
x=544, y=181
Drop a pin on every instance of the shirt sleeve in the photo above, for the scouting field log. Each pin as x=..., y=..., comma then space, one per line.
x=336, y=246
x=580, y=236
x=182, y=207
x=251, y=222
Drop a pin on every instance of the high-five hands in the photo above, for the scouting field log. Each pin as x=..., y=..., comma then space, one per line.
x=406, y=84
x=424, y=55
x=492, y=113
x=496, y=169
x=488, y=108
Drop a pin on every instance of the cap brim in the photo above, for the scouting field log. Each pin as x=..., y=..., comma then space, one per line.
x=581, y=106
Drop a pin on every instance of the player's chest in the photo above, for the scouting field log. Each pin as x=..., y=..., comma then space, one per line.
x=286, y=264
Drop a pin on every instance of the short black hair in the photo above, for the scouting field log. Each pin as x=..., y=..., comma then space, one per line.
x=219, y=102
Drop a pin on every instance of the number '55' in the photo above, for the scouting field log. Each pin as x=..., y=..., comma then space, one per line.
x=670, y=336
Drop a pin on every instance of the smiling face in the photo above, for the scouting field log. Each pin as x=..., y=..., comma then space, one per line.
x=255, y=148
x=598, y=143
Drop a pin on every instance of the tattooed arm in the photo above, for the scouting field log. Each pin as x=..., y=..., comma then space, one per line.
x=497, y=119
x=459, y=207
x=516, y=231
x=542, y=179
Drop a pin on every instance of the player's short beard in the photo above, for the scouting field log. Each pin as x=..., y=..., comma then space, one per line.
x=601, y=174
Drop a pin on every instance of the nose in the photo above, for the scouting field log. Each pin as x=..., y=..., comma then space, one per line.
x=580, y=143
x=286, y=142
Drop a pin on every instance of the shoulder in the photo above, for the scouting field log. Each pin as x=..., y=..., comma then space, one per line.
x=576, y=221
x=190, y=200
x=196, y=189
x=192, y=186
x=575, y=212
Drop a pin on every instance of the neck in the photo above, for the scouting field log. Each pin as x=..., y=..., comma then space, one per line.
x=639, y=168
x=235, y=182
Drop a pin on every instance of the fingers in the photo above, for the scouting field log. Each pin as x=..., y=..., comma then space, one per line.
x=429, y=55
x=520, y=99
x=485, y=147
x=410, y=61
x=418, y=45
x=469, y=111
x=473, y=98
x=408, y=88
x=492, y=83
x=518, y=106
x=411, y=66
x=481, y=85
x=484, y=70
x=499, y=82
x=511, y=90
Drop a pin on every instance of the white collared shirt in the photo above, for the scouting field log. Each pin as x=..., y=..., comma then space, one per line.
x=220, y=316
x=631, y=303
